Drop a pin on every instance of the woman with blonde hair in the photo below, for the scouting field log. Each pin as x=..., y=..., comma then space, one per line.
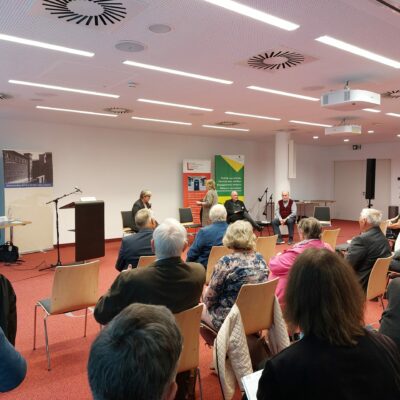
x=244, y=265
x=210, y=199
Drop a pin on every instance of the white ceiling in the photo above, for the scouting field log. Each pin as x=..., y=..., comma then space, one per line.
x=207, y=40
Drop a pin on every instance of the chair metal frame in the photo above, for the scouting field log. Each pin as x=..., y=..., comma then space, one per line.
x=75, y=287
x=188, y=322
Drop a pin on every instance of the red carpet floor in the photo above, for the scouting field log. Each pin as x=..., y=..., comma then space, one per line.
x=69, y=350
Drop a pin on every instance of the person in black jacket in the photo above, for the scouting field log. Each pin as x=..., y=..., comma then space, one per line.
x=337, y=358
x=143, y=202
x=236, y=210
x=8, y=309
x=366, y=248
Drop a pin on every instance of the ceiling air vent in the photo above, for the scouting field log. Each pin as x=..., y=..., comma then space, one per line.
x=391, y=94
x=118, y=110
x=87, y=12
x=4, y=96
x=277, y=59
x=227, y=123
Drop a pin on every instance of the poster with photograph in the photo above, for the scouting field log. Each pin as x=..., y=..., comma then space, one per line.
x=195, y=174
x=27, y=169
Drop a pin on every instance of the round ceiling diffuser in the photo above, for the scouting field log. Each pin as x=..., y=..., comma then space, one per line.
x=87, y=12
x=392, y=94
x=276, y=60
x=227, y=123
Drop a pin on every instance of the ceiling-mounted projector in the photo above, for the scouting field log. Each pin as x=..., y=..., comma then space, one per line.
x=346, y=129
x=348, y=99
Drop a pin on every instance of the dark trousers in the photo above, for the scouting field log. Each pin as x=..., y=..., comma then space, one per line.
x=243, y=215
x=289, y=222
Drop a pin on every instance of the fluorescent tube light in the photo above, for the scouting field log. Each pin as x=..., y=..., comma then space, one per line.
x=62, y=88
x=223, y=127
x=315, y=137
x=358, y=51
x=393, y=115
x=371, y=131
x=255, y=14
x=164, y=103
x=371, y=110
x=346, y=140
x=176, y=72
x=252, y=116
x=44, y=45
x=75, y=111
x=273, y=91
x=310, y=123
x=165, y=121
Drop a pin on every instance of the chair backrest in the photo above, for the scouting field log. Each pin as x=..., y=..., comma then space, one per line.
x=185, y=215
x=144, y=261
x=384, y=225
x=189, y=324
x=215, y=254
x=75, y=287
x=266, y=245
x=378, y=278
x=256, y=305
x=330, y=236
x=322, y=214
x=127, y=219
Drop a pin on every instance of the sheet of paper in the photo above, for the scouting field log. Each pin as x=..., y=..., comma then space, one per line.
x=250, y=384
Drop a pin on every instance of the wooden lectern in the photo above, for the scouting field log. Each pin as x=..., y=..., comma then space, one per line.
x=89, y=229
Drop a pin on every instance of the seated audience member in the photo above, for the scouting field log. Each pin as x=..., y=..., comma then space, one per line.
x=134, y=246
x=143, y=202
x=236, y=210
x=337, y=358
x=8, y=309
x=390, y=322
x=12, y=365
x=209, y=236
x=364, y=249
x=285, y=214
x=393, y=227
x=310, y=235
x=136, y=355
x=169, y=281
x=244, y=265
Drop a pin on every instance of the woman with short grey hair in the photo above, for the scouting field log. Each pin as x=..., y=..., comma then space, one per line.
x=232, y=271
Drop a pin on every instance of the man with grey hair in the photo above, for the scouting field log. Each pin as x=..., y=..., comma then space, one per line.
x=209, y=236
x=139, y=244
x=168, y=281
x=143, y=343
x=367, y=247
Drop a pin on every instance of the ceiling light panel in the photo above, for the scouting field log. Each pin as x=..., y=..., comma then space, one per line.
x=164, y=121
x=358, y=51
x=176, y=72
x=62, y=88
x=252, y=116
x=44, y=45
x=281, y=93
x=76, y=111
x=372, y=110
x=164, y=103
x=225, y=128
x=310, y=123
x=254, y=14
x=393, y=115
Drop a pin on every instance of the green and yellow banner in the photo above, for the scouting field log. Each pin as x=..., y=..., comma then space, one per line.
x=229, y=176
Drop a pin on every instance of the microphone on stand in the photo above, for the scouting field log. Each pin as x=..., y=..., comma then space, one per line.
x=77, y=189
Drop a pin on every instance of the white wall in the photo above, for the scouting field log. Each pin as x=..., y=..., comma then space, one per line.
x=115, y=165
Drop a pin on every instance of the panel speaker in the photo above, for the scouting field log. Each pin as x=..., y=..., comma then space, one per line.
x=370, y=179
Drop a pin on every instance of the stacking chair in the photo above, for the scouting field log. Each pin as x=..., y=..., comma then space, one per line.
x=188, y=322
x=323, y=215
x=186, y=219
x=330, y=236
x=378, y=279
x=145, y=261
x=75, y=287
x=266, y=245
x=215, y=254
x=127, y=223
